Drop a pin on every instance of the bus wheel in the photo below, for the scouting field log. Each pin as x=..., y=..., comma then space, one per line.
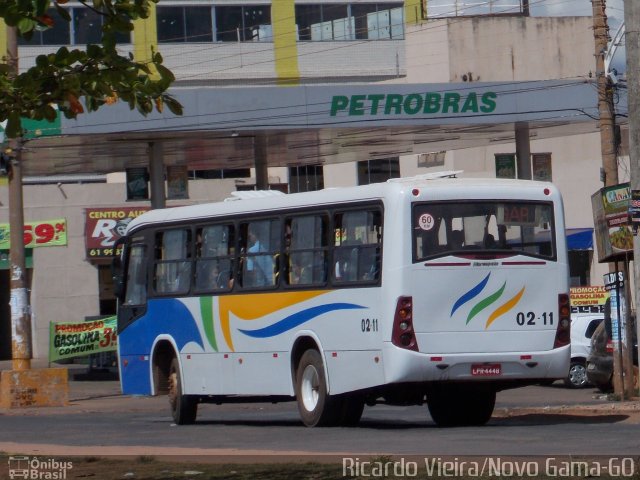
x=351, y=410
x=478, y=407
x=184, y=408
x=316, y=407
x=453, y=407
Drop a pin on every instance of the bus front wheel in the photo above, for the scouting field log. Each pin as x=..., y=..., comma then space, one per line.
x=315, y=405
x=184, y=408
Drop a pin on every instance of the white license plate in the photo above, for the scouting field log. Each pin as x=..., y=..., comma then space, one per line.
x=486, y=370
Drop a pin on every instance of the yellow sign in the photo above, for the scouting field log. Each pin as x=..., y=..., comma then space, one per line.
x=584, y=296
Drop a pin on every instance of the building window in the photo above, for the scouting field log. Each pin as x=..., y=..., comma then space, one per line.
x=219, y=173
x=370, y=21
x=380, y=21
x=184, y=24
x=376, y=171
x=505, y=165
x=251, y=23
x=541, y=166
x=306, y=178
x=324, y=22
x=85, y=28
x=59, y=34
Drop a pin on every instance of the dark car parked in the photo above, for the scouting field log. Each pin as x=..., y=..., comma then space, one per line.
x=600, y=360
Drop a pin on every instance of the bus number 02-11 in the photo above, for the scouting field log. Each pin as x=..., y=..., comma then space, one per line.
x=529, y=318
x=369, y=324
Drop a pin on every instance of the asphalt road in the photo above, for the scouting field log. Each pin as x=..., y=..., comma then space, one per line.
x=528, y=421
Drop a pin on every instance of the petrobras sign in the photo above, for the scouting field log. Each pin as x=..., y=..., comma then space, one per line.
x=387, y=104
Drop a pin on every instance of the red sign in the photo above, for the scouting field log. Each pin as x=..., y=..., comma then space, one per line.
x=103, y=226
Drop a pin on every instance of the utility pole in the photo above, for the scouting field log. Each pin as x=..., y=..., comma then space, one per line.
x=605, y=95
x=632, y=42
x=21, y=351
x=609, y=152
x=22, y=386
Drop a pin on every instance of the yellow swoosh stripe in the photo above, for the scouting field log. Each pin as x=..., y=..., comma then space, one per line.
x=504, y=308
x=252, y=307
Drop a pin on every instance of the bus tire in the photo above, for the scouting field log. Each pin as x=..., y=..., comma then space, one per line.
x=352, y=408
x=315, y=405
x=184, y=408
x=478, y=407
x=455, y=407
x=441, y=408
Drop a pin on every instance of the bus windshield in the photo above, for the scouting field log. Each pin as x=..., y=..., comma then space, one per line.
x=514, y=227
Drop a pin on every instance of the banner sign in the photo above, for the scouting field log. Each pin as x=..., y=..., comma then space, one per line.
x=68, y=340
x=588, y=299
x=614, y=235
x=103, y=226
x=46, y=233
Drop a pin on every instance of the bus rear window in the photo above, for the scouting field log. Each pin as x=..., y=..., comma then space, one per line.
x=516, y=227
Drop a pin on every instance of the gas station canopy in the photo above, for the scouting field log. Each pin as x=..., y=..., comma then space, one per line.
x=311, y=124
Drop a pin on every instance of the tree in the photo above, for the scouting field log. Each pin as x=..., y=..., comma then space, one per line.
x=99, y=74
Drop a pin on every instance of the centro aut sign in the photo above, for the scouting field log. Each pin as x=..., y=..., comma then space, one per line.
x=103, y=226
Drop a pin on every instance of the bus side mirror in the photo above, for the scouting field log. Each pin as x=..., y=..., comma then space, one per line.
x=118, y=278
x=117, y=271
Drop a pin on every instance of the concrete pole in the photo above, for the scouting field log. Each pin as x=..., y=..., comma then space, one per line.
x=21, y=341
x=156, y=174
x=632, y=42
x=523, y=151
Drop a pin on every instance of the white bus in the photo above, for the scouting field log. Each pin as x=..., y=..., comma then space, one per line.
x=438, y=291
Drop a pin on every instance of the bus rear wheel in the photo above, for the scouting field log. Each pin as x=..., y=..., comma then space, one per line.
x=456, y=407
x=351, y=409
x=184, y=408
x=315, y=405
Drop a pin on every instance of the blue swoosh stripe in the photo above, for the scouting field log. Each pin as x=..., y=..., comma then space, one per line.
x=475, y=291
x=297, y=319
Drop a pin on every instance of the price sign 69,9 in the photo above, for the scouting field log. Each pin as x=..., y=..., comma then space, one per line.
x=45, y=233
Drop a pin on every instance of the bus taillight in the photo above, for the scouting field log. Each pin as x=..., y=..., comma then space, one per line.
x=403, y=335
x=563, y=331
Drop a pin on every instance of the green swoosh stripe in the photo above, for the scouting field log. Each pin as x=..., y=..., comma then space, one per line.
x=485, y=303
x=206, y=310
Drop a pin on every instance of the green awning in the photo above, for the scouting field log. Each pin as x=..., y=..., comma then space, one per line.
x=4, y=258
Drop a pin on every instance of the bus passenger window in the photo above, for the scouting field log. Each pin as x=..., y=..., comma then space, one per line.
x=172, y=270
x=307, y=250
x=357, y=250
x=214, y=258
x=261, y=248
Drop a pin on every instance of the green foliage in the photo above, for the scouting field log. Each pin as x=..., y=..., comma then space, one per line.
x=78, y=80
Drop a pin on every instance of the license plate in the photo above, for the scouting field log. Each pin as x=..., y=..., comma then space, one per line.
x=486, y=370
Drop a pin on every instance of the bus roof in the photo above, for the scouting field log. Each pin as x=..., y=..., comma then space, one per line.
x=443, y=188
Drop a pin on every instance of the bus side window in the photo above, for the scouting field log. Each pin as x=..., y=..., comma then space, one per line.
x=136, y=287
x=260, y=253
x=357, y=250
x=172, y=270
x=214, y=265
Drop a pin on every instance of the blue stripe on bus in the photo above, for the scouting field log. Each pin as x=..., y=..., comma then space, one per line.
x=297, y=319
x=163, y=316
x=470, y=294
